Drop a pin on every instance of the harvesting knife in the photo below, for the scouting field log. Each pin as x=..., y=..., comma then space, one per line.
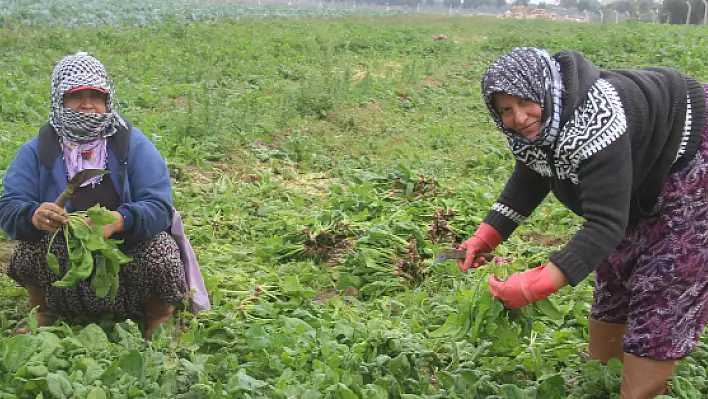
x=75, y=182
x=447, y=254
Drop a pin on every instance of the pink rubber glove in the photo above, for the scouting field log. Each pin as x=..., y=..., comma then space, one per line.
x=520, y=289
x=485, y=239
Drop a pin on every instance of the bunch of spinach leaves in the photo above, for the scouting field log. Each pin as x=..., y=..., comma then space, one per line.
x=90, y=254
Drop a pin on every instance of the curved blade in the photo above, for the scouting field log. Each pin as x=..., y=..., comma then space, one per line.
x=451, y=253
x=75, y=182
x=84, y=175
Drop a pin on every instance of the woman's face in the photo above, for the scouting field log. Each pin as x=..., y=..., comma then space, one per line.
x=519, y=115
x=86, y=100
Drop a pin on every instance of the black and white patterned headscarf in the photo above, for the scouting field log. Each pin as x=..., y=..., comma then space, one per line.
x=532, y=74
x=81, y=70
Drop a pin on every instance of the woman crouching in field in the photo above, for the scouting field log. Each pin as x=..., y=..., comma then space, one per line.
x=85, y=132
x=628, y=151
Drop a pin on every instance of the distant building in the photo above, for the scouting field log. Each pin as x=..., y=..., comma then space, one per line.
x=556, y=14
x=554, y=3
x=517, y=12
x=539, y=13
x=524, y=12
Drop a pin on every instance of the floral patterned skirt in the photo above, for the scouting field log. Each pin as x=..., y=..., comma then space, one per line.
x=656, y=280
x=155, y=271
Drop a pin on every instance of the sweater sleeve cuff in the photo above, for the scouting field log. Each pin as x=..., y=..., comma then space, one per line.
x=697, y=100
x=504, y=219
x=501, y=223
x=128, y=220
x=571, y=265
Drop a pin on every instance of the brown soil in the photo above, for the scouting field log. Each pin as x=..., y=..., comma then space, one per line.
x=543, y=239
x=325, y=295
x=357, y=75
x=401, y=94
x=430, y=81
x=313, y=184
x=328, y=293
x=180, y=101
x=372, y=105
x=197, y=175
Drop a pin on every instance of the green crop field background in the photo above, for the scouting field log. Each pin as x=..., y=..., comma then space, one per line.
x=319, y=160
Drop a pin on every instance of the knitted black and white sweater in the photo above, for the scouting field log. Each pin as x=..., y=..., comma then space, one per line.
x=622, y=133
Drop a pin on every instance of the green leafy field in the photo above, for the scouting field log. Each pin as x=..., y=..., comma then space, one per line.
x=130, y=13
x=319, y=164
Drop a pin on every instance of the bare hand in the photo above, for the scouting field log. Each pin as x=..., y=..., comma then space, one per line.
x=110, y=229
x=49, y=217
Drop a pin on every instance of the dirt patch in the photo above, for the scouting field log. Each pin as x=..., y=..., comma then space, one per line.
x=430, y=81
x=543, y=239
x=328, y=293
x=242, y=165
x=357, y=75
x=313, y=184
x=375, y=105
x=325, y=295
x=180, y=102
x=197, y=175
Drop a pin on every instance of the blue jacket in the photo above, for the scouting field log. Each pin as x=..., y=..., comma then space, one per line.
x=144, y=189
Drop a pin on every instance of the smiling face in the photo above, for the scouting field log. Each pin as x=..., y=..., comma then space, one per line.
x=520, y=115
x=86, y=100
